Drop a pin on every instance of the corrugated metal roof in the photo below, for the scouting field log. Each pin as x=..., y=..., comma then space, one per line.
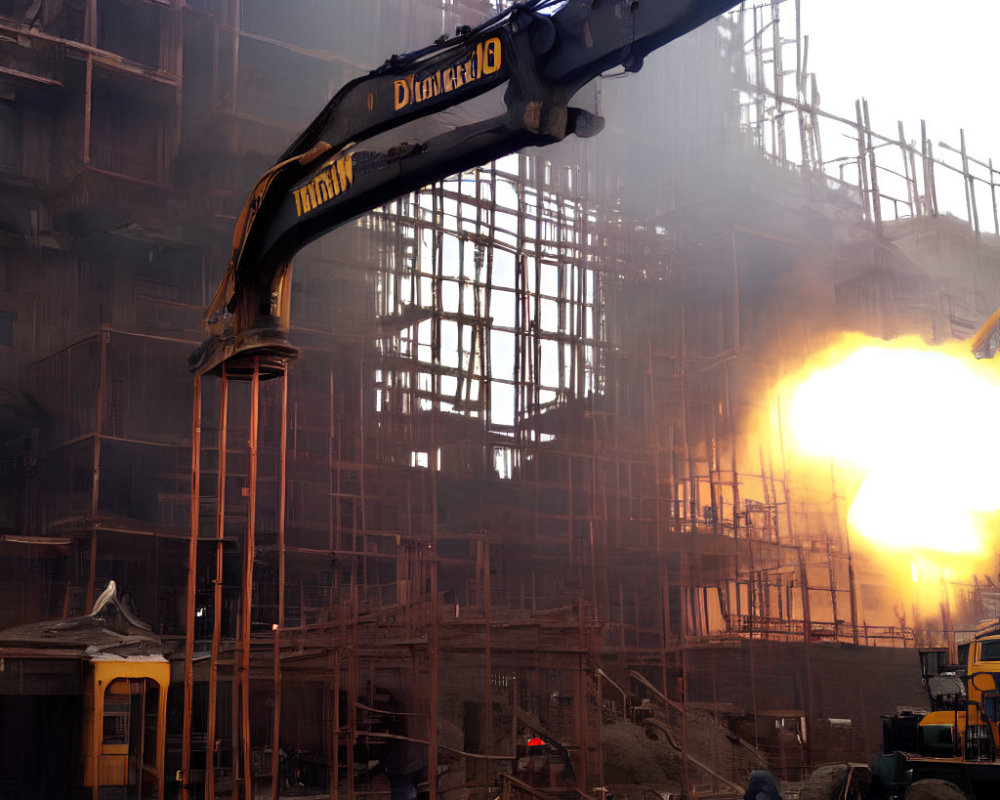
x=109, y=629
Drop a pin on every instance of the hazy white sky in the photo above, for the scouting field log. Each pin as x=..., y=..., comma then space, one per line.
x=912, y=59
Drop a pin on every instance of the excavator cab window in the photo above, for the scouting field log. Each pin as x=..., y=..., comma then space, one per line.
x=990, y=650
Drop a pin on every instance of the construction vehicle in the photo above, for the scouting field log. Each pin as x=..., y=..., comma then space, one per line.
x=398, y=129
x=950, y=752
x=946, y=753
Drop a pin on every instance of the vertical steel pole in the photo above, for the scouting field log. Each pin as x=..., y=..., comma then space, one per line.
x=353, y=669
x=235, y=84
x=95, y=477
x=488, y=657
x=875, y=194
x=276, y=729
x=685, y=610
x=993, y=197
x=191, y=584
x=248, y=560
x=283, y=449
x=806, y=636
x=88, y=94
x=90, y=23
x=96, y=740
x=333, y=727
x=432, y=736
x=220, y=519
x=236, y=756
x=970, y=187
x=282, y=453
x=862, y=163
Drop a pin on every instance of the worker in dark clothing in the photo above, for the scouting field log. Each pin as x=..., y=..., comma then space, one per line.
x=761, y=786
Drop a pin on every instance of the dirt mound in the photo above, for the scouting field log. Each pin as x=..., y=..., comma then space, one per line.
x=631, y=757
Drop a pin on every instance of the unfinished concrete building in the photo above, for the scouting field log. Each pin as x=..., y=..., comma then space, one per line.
x=506, y=495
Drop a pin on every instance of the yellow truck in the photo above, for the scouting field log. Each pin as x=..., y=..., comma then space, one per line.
x=949, y=752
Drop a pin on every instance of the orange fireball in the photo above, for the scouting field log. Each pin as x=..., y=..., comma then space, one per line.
x=920, y=424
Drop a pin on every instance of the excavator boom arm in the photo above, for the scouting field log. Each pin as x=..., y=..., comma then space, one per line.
x=420, y=117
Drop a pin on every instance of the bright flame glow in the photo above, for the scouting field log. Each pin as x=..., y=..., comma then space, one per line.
x=920, y=424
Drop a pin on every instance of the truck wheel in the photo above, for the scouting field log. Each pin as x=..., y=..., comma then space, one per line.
x=934, y=789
